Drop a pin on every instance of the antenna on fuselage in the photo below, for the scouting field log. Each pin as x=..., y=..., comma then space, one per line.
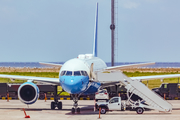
x=95, y=32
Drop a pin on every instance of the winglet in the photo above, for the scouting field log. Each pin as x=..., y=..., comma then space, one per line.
x=95, y=32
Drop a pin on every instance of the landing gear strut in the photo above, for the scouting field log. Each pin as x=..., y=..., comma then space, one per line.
x=75, y=106
x=55, y=103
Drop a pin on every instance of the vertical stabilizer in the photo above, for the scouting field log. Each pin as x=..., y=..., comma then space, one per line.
x=95, y=32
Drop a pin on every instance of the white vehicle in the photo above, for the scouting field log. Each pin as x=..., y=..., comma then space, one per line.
x=115, y=103
x=102, y=95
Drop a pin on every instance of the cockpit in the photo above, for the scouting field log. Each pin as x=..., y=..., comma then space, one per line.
x=73, y=73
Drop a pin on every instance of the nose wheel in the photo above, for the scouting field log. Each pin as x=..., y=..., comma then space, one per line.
x=74, y=109
x=75, y=105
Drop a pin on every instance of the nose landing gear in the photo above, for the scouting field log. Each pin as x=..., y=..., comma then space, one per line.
x=75, y=105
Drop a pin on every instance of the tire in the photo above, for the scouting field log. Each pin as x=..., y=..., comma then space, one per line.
x=103, y=110
x=73, y=111
x=96, y=106
x=139, y=110
x=52, y=105
x=122, y=108
x=42, y=97
x=78, y=110
x=60, y=105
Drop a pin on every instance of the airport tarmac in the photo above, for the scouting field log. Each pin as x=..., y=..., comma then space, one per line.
x=12, y=110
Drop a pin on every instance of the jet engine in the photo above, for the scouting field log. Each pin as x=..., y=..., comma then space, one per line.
x=28, y=93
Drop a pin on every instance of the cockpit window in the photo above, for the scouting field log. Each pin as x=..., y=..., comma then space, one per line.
x=84, y=73
x=63, y=73
x=77, y=73
x=69, y=73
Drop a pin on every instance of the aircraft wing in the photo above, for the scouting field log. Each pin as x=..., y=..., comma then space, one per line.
x=129, y=66
x=38, y=79
x=142, y=78
x=51, y=64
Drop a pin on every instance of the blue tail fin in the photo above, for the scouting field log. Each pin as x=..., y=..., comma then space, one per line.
x=95, y=33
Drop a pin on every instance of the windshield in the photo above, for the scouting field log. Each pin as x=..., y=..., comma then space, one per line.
x=103, y=91
x=84, y=73
x=77, y=73
x=115, y=100
x=63, y=73
x=69, y=73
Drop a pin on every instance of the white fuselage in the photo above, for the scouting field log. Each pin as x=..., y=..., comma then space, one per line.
x=75, y=73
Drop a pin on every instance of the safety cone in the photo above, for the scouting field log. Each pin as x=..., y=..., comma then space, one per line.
x=26, y=116
x=99, y=113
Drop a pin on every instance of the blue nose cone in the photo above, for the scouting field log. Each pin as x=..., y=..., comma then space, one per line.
x=74, y=84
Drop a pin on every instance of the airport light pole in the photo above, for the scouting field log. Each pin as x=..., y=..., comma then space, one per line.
x=112, y=27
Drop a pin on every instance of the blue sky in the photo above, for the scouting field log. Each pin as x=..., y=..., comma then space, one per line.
x=58, y=30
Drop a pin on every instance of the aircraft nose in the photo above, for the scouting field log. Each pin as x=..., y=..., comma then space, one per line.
x=74, y=84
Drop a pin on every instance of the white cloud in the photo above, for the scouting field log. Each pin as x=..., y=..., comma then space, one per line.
x=133, y=4
x=7, y=12
x=130, y=5
x=152, y=1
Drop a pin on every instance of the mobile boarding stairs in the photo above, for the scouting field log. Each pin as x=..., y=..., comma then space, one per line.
x=152, y=100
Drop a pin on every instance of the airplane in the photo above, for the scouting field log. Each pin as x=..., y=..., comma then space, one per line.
x=76, y=76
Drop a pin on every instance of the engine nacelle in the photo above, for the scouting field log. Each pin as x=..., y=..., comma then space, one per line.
x=28, y=93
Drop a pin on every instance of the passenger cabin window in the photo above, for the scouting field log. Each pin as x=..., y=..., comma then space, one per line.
x=77, y=73
x=69, y=73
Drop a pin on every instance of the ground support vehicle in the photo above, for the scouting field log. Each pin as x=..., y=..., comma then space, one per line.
x=168, y=90
x=149, y=99
x=115, y=104
x=102, y=95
